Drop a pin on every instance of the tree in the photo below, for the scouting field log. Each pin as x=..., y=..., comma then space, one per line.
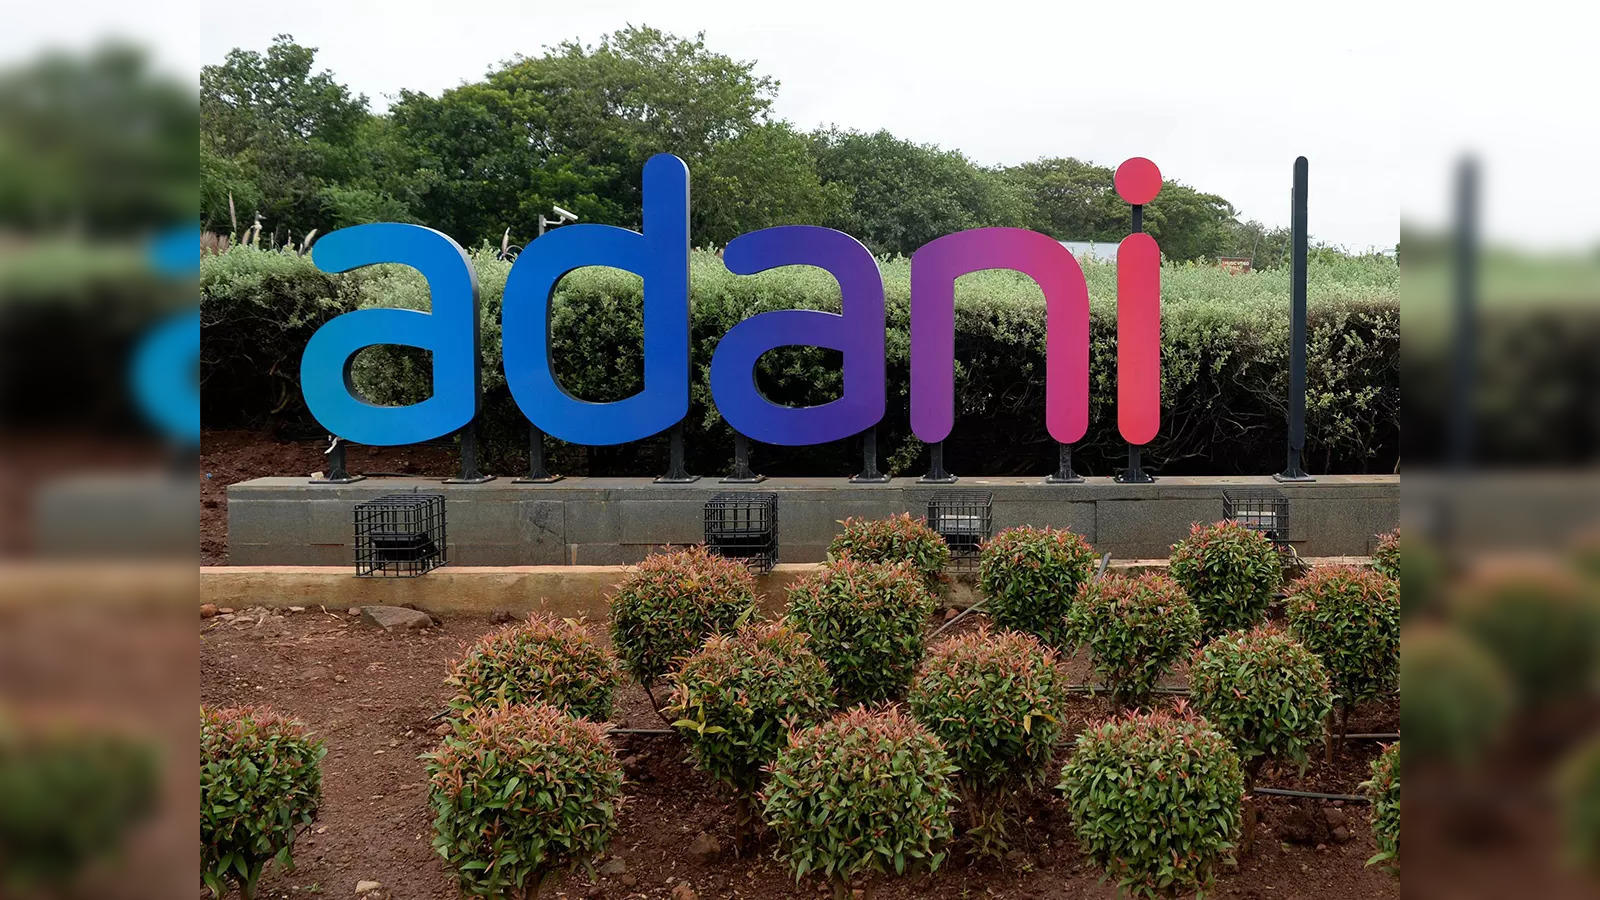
x=269, y=121
x=902, y=194
x=763, y=177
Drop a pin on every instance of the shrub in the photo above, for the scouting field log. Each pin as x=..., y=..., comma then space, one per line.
x=899, y=538
x=520, y=792
x=1029, y=576
x=260, y=784
x=1541, y=626
x=866, y=791
x=1136, y=627
x=1230, y=572
x=1350, y=618
x=540, y=660
x=1386, y=561
x=866, y=621
x=738, y=697
x=994, y=701
x=1155, y=800
x=1384, y=789
x=71, y=794
x=1454, y=698
x=1264, y=692
x=669, y=603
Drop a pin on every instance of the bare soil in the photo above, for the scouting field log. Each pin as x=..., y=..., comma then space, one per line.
x=373, y=697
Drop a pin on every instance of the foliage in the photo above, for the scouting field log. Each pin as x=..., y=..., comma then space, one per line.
x=738, y=697
x=1264, y=692
x=519, y=793
x=1136, y=626
x=539, y=660
x=1223, y=362
x=994, y=700
x=866, y=791
x=1543, y=627
x=899, y=538
x=1387, y=558
x=1384, y=789
x=1029, y=577
x=1577, y=785
x=1229, y=571
x=866, y=621
x=1454, y=697
x=1350, y=618
x=71, y=794
x=1155, y=799
x=260, y=786
x=667, y=605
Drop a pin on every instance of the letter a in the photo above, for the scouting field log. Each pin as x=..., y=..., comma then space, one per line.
x=450, y=332
x=857, y=332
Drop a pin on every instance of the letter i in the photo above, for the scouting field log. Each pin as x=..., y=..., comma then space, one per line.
x=1138, y=314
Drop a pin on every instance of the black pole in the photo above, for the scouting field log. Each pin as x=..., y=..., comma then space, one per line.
x=742, y=473
x=869, y=473
x=1294, y=471
x=677, y=472
x=1135, y=473
x=1064, y=473
x=537, y=473
x=336, y=473
x=1463, y=427
x=470, y=473
x=936, y=471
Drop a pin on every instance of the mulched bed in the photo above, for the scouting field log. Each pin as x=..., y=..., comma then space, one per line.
x=372, y=696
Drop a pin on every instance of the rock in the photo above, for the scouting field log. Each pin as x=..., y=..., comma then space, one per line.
x=951, y=613
x=503, y=617
x=367, y=887
x=443, y=729
x=704, y=846
x=628, y=880
x=208, y=610
x=297, y=609
x=683, y=892
x=614, y=866
x=1334, y=817
x=354, y=611
x=396, y=618
x=1341, y=834
x=314, y=673
x=226, y=610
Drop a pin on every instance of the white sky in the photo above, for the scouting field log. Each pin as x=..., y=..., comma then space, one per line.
x=1381, y=96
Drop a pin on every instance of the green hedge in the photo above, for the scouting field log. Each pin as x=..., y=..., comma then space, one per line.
x=1224, y=353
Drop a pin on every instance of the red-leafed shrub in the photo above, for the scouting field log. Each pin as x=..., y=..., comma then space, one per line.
x=668, y=604
x=1029, y=577
x=540, y=660
x=899, y=538
x=867, y=621
x=1136, y=626
x=1229, y=571
x=1349, y=617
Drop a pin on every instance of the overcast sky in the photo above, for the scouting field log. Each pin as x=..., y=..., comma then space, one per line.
x=1379, y=95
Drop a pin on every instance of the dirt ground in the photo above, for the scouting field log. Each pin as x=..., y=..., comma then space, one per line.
x=373, y=697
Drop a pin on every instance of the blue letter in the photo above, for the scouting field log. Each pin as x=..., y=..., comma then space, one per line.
x=661, y=257
x=450, y=332
x=857, y=332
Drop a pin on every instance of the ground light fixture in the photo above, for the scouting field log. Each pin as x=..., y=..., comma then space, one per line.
x=743, y=526
x=399, y=535
x=1264, y=509
x=965, y=519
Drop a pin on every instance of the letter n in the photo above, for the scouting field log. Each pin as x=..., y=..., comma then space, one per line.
x=934, y=270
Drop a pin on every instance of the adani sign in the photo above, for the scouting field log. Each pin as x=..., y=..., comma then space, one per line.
x=660, y=255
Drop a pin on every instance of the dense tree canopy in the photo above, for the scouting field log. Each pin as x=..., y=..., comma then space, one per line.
x=574, y=126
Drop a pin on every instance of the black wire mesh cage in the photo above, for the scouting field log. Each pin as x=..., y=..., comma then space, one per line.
x=400, y=535
x=964, y=518
x=743, y=525
x=1263, y=509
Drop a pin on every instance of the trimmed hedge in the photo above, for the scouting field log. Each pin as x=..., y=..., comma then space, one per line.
x=867, y=622
x=1264, y=692
x=1029, y=577
x=1454, y=698
x=1229, y=571
x=669, y=603
x=541, y=659
x=1136, y=626
x=898, y=538
x=1224, y=362
x=1350, y=618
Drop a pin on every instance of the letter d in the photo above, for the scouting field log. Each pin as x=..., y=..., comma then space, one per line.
x=661, y=257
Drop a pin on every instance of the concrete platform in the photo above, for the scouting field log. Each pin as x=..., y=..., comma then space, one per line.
x=617, y=521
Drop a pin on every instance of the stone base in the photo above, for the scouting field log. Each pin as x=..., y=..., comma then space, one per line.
x=617, y=521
